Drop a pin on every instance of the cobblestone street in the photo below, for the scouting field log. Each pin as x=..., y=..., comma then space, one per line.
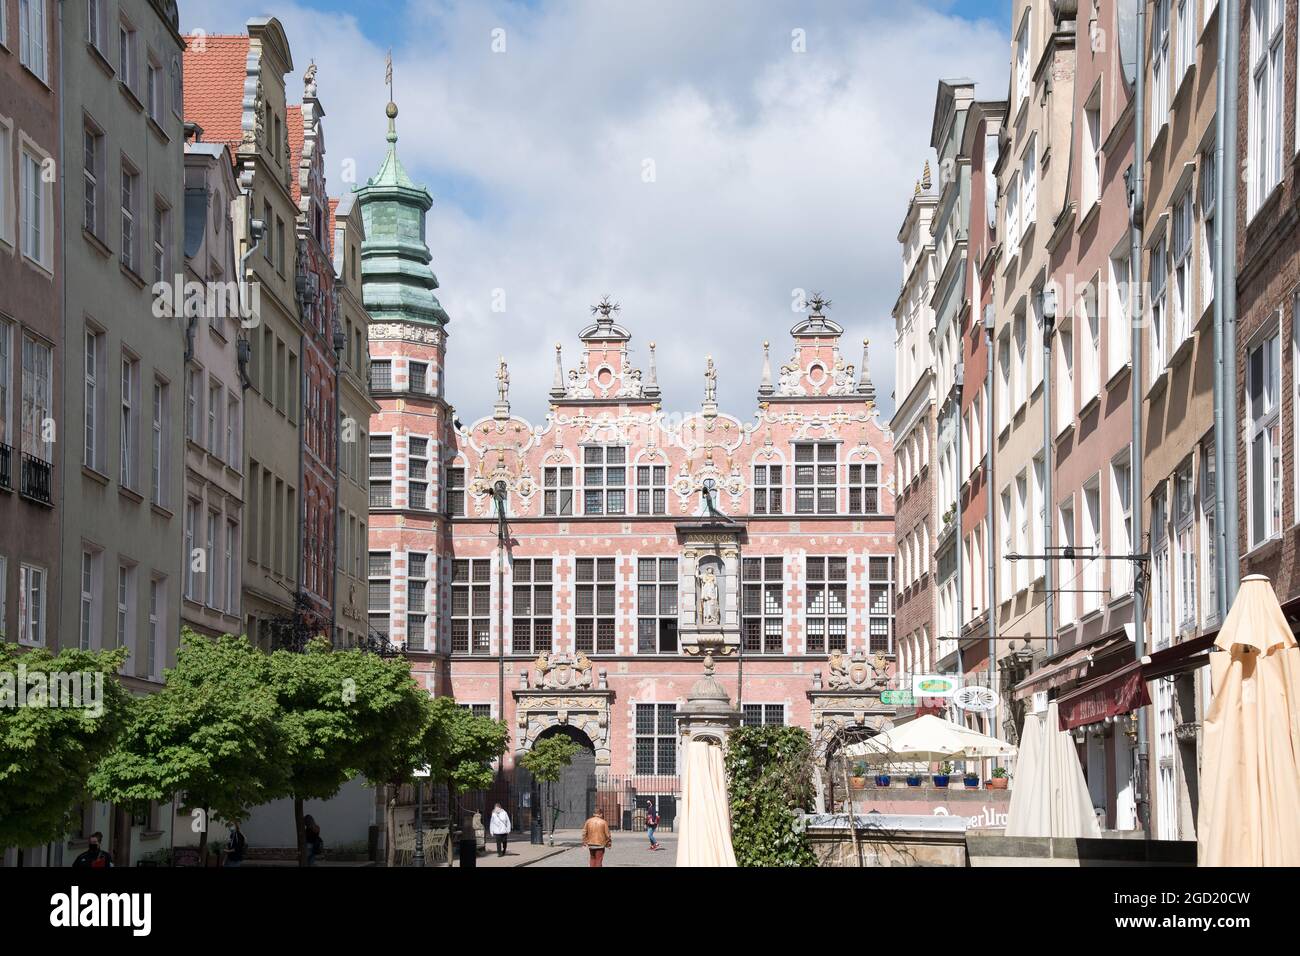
x=630, y=849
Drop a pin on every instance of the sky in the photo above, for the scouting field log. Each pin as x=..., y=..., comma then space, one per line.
x=700, y=161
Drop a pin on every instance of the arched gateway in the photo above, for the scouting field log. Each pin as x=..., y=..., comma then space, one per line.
x=574, y=794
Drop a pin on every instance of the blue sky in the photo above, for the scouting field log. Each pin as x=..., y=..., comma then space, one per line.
x=700, y=160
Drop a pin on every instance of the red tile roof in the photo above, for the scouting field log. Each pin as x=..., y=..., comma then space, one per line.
x=214, y=87
x=293, y=122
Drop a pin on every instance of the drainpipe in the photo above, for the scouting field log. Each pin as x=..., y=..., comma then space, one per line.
x=1048, y=312
x=1227, y=568
x=989, y=485
x=1136, y=212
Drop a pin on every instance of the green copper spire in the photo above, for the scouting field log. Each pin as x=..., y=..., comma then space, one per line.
x=397, y=283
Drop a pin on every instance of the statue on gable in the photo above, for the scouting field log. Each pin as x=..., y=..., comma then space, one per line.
x=710, y=602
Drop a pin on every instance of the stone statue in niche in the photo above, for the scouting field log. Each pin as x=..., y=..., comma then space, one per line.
x=710, y=603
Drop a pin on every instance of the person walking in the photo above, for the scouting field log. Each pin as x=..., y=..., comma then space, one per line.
x=499, y=827
x=596, y=837
x=311, y=834
x=651, y=824
x=94, y=857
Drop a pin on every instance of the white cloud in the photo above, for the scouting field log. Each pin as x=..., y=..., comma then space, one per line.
x=774, y=170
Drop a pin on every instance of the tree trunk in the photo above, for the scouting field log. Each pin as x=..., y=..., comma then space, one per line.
x=203, y=839
x=298, y=829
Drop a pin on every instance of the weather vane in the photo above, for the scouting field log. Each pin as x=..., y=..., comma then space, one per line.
x=818, y=302
x=606, y=306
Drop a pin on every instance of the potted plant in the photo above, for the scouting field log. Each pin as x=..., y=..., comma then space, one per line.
x=944, y=775
x=1000, y=779
x=913, y=779
x=858, y=776
x=882, y=780
x=971, y=781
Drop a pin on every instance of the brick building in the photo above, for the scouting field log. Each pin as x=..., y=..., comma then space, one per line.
x=631, y=533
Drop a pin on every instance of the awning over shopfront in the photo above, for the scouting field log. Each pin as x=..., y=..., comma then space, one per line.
x=1072, y=667
x=1178, y=659
x=1117, y=693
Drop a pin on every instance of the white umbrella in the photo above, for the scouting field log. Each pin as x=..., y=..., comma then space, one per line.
x=1050, y=797
x=927, y=739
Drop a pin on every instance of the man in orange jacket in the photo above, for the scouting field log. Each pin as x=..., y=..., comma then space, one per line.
x=596, y=837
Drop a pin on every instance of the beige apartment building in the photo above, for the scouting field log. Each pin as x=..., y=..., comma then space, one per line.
x=1177, y=384
x=1032, y=170
x=351, y=615
x=235, y=90
x=212, y=559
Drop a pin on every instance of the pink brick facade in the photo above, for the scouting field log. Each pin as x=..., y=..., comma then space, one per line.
x=603, y=497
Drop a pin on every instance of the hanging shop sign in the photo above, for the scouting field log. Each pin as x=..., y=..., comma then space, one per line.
x=897, y=698
x=976, y=699
x=934, y=685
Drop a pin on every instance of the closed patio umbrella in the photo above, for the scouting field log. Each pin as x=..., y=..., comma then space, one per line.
x=704, y=823
x=1250, y=787
x=1050, y=795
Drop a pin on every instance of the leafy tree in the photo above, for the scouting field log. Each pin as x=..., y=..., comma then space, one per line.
x=546, y=762
x=47, y=752
x=211, y=733
x=769, y=776
x=343, y=713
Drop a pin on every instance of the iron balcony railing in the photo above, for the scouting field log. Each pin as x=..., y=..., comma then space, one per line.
x=36, y=479
x=6, y=466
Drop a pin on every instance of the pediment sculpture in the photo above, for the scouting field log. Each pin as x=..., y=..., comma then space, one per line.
x=562, y=671
x=855, y=672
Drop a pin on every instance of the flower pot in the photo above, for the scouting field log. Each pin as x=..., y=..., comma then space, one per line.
x=882, y=780
x=913, y=781
x=940, y=779
x=858, y=783
x=971, y=782
x=997, y=783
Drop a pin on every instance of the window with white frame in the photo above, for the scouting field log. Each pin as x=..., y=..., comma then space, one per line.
x=96, y=23
x=880, y=604
x=125, y=604
x=826, y=623
x=1159, y=331
x=1209, y=533
x=128, y=472
x=89, y=611
x=1004, y=380
x=1185, y=546
x=652, y=489
x=6, y=381
x=153, y=88
x=1024, y=78
x=762, y=715
x=31, y=604
x=595, y=608
x=1035, y=344
x=130, y=251
x=379, y=597
x=417, y=600
x=1091, y=152
x=1264, y=433
x=161, y=226
x=1089, y=347
x=1161, y=583
x=1166, y=761
x=92, y=368
x=154, y=641
x=557, y=495
x=1209, y=197
x=1121, y=523
x=531, y=627
x=1264, y=118
x=1006, y=520
x=656, y=739
x=92, y=180
x=767, y=489
x=190, y=531
x=381, y=471
x=36, y=210
x=232, y=431
x=1091, y=583
x=1119, y=331
x=454, y=502
x=604, y=480
x=1029, y=186
x=760, y=619
x=417, y=463
x=7, y=187
x=864, y=489
x=1183, y=318
x=1065, y=374
x=1012, y=214
x=1159, y=67
x=656, y=605
x=1022, y=545
x=1019, y=363
x=32, y=37
x=1187, y=26
x=216, y=399
x=1069, y=570
x=211, y=566
x=1038, y=527
x=815, y=474
x=159, y=453
x=37, y=399
x=232, y=572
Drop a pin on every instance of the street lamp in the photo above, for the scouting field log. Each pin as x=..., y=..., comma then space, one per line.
x=420, y=776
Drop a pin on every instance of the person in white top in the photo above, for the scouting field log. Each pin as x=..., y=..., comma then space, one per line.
x=499, y=827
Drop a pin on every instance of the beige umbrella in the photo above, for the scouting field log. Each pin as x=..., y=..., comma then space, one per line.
x=704, y=823
x=1250, y=777
x=1050, y=796
x=927, y=739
